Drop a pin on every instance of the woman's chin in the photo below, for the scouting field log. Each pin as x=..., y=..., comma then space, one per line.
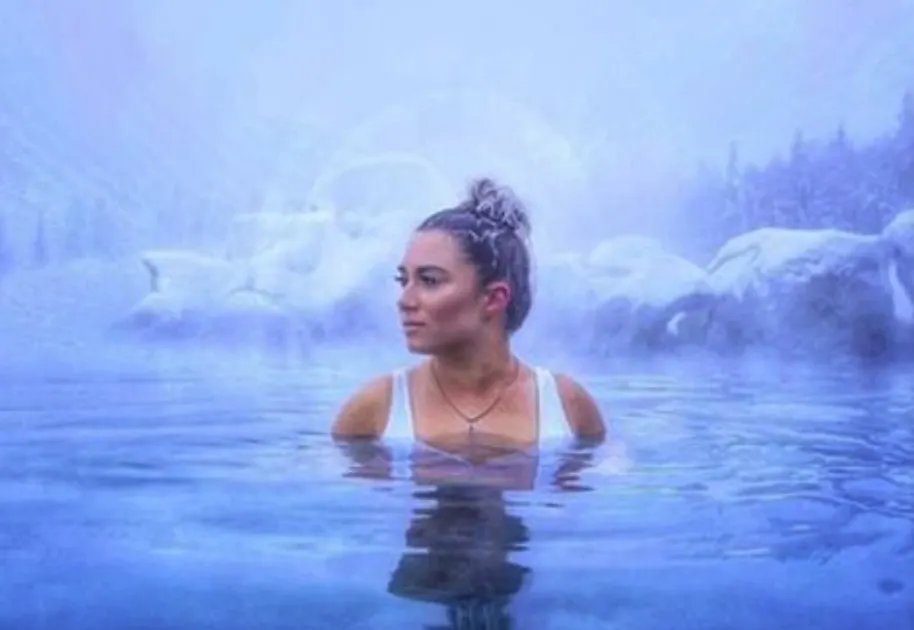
x=415, y=344
x=417, y=347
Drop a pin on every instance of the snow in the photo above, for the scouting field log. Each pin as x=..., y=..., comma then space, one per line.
x=323, y=275
x=797, y=286
x=297, y=272
x=899, y=233
x=627, y=290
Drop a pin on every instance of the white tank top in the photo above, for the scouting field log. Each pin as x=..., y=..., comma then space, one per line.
x=520, y=469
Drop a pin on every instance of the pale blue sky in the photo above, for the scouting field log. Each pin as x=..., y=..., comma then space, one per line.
x=640, y=90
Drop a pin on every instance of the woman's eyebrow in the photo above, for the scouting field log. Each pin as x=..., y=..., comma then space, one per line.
x=423, y=269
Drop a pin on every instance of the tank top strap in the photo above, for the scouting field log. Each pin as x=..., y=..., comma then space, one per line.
x=400, y=417
x=552, y=421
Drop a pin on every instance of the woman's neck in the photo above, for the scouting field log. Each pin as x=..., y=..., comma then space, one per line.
x=475, y=369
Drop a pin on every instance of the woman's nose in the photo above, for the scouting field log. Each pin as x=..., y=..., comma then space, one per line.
x=407, y=299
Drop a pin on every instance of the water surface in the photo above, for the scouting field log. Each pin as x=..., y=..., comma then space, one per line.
x=748, y=495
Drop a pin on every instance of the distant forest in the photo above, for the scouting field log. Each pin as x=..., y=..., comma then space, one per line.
x=819, y=183
x=815, y=183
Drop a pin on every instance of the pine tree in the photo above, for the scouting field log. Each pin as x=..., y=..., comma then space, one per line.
x=837, y=180
x=801, y=201
x=733, y=217
x=904, y=149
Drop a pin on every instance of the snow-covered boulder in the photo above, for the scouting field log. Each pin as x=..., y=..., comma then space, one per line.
x=810, y=289
x=562, y=313
x=283, y=277
x=899, y=234
x=646, y=295
x=628, y=291
x=184, y=287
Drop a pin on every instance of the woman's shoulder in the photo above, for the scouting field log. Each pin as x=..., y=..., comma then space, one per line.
x=364, y=412
x=580, y=407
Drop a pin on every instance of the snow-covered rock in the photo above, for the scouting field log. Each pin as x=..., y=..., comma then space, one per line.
x=305, y=275
x=646, y=295
x=900, y=236
x=629, y=291
x=803, y=289
x=282, y=277
x=195, y=280
x=562, y=313
x=184, y=289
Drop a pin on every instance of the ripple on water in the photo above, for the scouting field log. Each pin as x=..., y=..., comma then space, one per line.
x=805, y=477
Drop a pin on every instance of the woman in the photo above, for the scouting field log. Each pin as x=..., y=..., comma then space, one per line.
x=465, y=280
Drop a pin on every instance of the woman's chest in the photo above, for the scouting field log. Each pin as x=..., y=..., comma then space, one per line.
x=510, y=423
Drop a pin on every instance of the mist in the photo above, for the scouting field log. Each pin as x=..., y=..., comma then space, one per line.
x=129, y=126
x=202, y=205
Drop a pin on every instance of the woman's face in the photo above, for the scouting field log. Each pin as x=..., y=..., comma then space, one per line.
x=441, y=304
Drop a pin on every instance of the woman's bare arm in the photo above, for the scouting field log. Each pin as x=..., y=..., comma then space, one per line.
x=581, y=409
x=364, y=414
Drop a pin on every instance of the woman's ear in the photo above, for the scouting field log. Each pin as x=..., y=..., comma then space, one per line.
x=497, y=296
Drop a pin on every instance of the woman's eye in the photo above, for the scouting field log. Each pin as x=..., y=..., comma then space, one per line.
x=400, y=279
x=430, y=281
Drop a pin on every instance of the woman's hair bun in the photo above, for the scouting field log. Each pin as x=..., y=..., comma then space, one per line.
x=498, y=204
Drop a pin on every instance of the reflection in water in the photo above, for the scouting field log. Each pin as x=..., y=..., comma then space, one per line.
x=578, y=457
x=458, y=545
x=748, y=489
x=374, y=459
x=368, y=459
x=461, y=535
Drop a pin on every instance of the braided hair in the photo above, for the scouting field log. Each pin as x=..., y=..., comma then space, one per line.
x=493, y=229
